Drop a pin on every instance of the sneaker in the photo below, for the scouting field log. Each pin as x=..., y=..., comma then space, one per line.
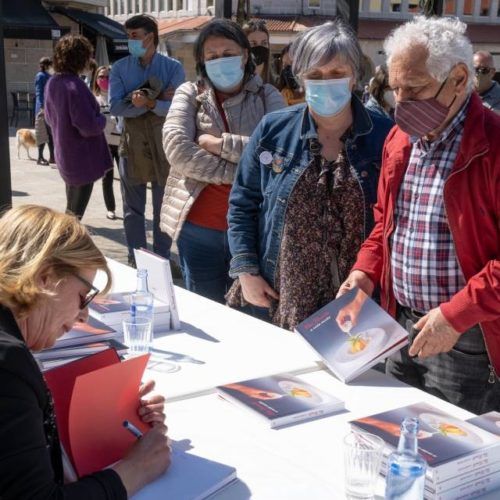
x=111, y=215
x=131, y=262
x=42, y=161
x=52, y=160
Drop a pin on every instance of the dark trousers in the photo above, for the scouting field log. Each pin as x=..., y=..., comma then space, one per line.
x=50, y=144
x=107, y=181
x=461, y=376
x=77, y=199
x=204, y=256
x=134, y=221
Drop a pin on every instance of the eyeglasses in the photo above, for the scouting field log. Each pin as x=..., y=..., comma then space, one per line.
x=84, y=302
x=482, y=70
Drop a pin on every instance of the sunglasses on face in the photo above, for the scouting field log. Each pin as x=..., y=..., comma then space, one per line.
x=482, y=70
x=85, y=301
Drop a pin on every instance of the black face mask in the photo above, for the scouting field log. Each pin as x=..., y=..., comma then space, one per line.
x=289, y=78
x=260, y=54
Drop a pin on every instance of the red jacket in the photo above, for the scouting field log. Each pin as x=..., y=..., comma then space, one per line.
x=472, y=204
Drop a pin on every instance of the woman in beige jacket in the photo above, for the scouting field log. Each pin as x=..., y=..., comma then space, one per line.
x=206, y=130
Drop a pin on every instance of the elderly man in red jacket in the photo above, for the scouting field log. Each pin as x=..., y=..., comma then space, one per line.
x=435, y=247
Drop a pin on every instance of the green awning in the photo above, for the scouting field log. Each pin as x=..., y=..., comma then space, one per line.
x=28, y=19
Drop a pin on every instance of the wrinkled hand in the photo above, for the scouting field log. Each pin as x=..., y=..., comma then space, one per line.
x=359, y=279
x=147, y=459
x=139, y=100
x=436, y=335
x=151, y=409
x=210, y=143
x=167, y=94
x=256, y=290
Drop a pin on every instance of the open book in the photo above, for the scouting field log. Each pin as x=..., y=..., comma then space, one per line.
x=352, y=333
x=92, y=398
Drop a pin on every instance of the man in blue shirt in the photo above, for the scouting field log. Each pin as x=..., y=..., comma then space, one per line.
x=143, y=113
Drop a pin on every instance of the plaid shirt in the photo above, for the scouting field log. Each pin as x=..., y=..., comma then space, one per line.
x=424, y=264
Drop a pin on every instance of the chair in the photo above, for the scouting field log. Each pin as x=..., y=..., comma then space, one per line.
x=23, y=102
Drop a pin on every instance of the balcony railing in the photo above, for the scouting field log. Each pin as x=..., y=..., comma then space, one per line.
x=470, y=11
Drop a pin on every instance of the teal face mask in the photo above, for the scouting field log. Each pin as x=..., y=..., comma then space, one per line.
x=328, y=97
x=225, y=73
x=135, y=48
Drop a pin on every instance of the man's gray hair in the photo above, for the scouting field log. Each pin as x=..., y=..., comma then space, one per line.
x=443, y=37
x=319, y=45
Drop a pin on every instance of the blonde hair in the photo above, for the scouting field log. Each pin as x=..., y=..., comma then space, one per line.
x=34, y=240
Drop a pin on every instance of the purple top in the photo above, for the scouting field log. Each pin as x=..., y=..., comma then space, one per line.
x=82, y=154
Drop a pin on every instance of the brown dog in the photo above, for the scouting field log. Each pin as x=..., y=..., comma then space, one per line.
x=25, y=137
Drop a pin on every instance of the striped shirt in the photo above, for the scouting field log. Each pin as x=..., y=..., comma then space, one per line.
x=424, y=265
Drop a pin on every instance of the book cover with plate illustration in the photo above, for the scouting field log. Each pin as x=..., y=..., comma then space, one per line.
x=352, y=334
x=449, y=445
x=281, y=399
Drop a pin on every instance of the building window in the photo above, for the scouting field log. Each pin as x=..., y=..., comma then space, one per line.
x=161, y=5
x=314, y=4
x=210, y=3
x=170, y=5
x=485, y=8
x=375, y=6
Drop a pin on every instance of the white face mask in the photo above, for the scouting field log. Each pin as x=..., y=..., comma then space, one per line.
x=389, y=98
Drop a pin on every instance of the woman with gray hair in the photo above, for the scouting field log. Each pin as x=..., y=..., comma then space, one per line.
x=301, y=203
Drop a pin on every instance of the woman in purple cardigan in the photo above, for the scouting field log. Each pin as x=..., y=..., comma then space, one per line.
x=81, y=151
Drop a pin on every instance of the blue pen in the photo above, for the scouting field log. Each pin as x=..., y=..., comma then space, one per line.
x=132, y=428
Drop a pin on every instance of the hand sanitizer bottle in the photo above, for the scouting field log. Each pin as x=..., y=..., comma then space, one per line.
x=405, y=467
x=141, y=301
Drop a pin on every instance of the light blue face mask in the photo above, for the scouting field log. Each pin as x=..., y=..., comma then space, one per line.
x=328, y=97
x=225, y=73
x=135, y=48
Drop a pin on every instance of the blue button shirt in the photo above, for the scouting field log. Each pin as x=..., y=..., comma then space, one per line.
x=128, y=74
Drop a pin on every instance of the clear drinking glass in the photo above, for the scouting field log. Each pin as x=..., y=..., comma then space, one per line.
x=362, y=460
x=137, y=334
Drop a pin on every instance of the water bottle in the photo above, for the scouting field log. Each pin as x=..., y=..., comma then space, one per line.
x=405, y=467
x=141, y=301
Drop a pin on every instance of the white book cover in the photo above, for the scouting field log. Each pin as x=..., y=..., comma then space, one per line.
x=160, y=281
x=352, y=334
x=189, y=477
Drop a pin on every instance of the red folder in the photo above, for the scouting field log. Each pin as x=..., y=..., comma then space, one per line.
x=92, y=398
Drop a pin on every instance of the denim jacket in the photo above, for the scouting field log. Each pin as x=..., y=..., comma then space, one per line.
x=272, y=163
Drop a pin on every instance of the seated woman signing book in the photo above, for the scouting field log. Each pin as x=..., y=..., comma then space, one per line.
x=47, y=264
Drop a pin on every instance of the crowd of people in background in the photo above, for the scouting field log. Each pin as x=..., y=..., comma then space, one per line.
x=281, y=192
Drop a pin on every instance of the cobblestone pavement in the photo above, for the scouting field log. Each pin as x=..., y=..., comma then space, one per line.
x=32, y=183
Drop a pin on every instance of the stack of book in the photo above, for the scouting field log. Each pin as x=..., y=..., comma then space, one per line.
x=463, y=457
x=82, y=340
x=111, y=308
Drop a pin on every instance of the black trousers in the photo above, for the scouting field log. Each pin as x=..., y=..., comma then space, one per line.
x=461, y=376
x=107, y=182
x=77, y=199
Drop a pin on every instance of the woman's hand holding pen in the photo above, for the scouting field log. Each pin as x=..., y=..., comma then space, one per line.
x=146, y=460
x=149, y=457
